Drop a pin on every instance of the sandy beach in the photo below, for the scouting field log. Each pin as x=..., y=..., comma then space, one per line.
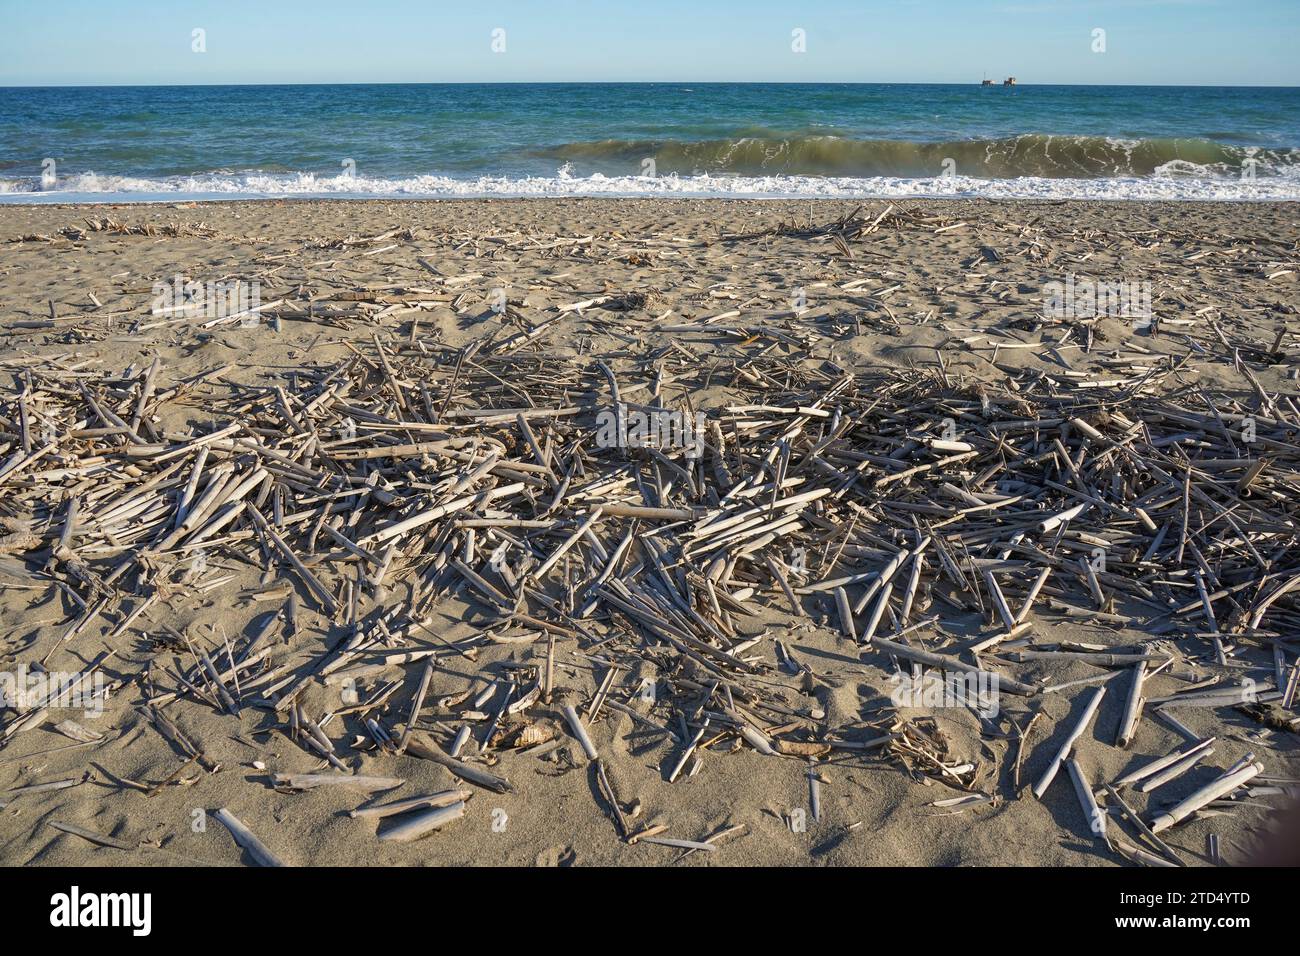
x=372, y=316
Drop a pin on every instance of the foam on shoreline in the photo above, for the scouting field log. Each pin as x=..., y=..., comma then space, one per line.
x=93, y=188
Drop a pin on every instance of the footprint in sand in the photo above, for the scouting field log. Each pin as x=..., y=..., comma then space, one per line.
x=556, y=856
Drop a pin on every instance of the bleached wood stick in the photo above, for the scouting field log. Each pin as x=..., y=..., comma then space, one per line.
x=947, y=662
x=421, y=745
x=1140, y=824
x=416, y=704
x=443, y=798
x=1084, y=720
x=417, y=826
x=999, y=601
x=1207, y=794
x=1132, y=707
x=579, y=731
x=686, y=754
x=308, y=578
x=617, y=510
x=1056, y=520
x=245, y=838
x=1139, y=855
x=309, y=781
x=1096, y=818
x=679, y=844
x=1032, y=596
x=47, y=787
x=814, y=791
x=913, y=582
x=222, y=692
x=1155, y=766
x=1241, y=764
x=886, y=575
x=756, y=738
x=92, y=836
x=1174, y=770
x=1176, y=724
x=573, y=539
x=462, y=737
x=846, y=614
x=438, y=511
x=882, y=602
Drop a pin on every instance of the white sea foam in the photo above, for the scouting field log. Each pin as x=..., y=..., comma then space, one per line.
x=1181, y=183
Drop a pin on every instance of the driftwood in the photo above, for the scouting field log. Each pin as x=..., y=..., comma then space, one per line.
x=443, y=798
x=1222, y=786
x=418, y=824
x=310, y=781
x=918, y=515
x=421, y=746
x=245, y=838
x=1080, y=727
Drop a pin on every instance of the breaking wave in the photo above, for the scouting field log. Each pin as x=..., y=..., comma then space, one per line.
x=1038, y=155
x=1172, y=180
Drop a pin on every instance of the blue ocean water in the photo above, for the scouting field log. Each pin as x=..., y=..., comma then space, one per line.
x=115, y=143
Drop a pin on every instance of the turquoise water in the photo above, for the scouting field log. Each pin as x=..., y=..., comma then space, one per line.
x=649, y=139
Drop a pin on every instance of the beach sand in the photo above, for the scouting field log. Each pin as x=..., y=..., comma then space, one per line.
x=951, y=285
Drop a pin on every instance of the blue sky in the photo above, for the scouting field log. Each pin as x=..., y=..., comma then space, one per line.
x=1210, y=42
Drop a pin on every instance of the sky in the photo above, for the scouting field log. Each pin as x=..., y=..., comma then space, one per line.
x=1163, y=42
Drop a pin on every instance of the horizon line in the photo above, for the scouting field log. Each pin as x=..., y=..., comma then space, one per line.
x=978, y=83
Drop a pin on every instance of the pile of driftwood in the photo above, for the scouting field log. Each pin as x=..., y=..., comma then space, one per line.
x=583, y=510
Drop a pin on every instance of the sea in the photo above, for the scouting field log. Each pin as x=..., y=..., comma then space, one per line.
x=125, y=143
